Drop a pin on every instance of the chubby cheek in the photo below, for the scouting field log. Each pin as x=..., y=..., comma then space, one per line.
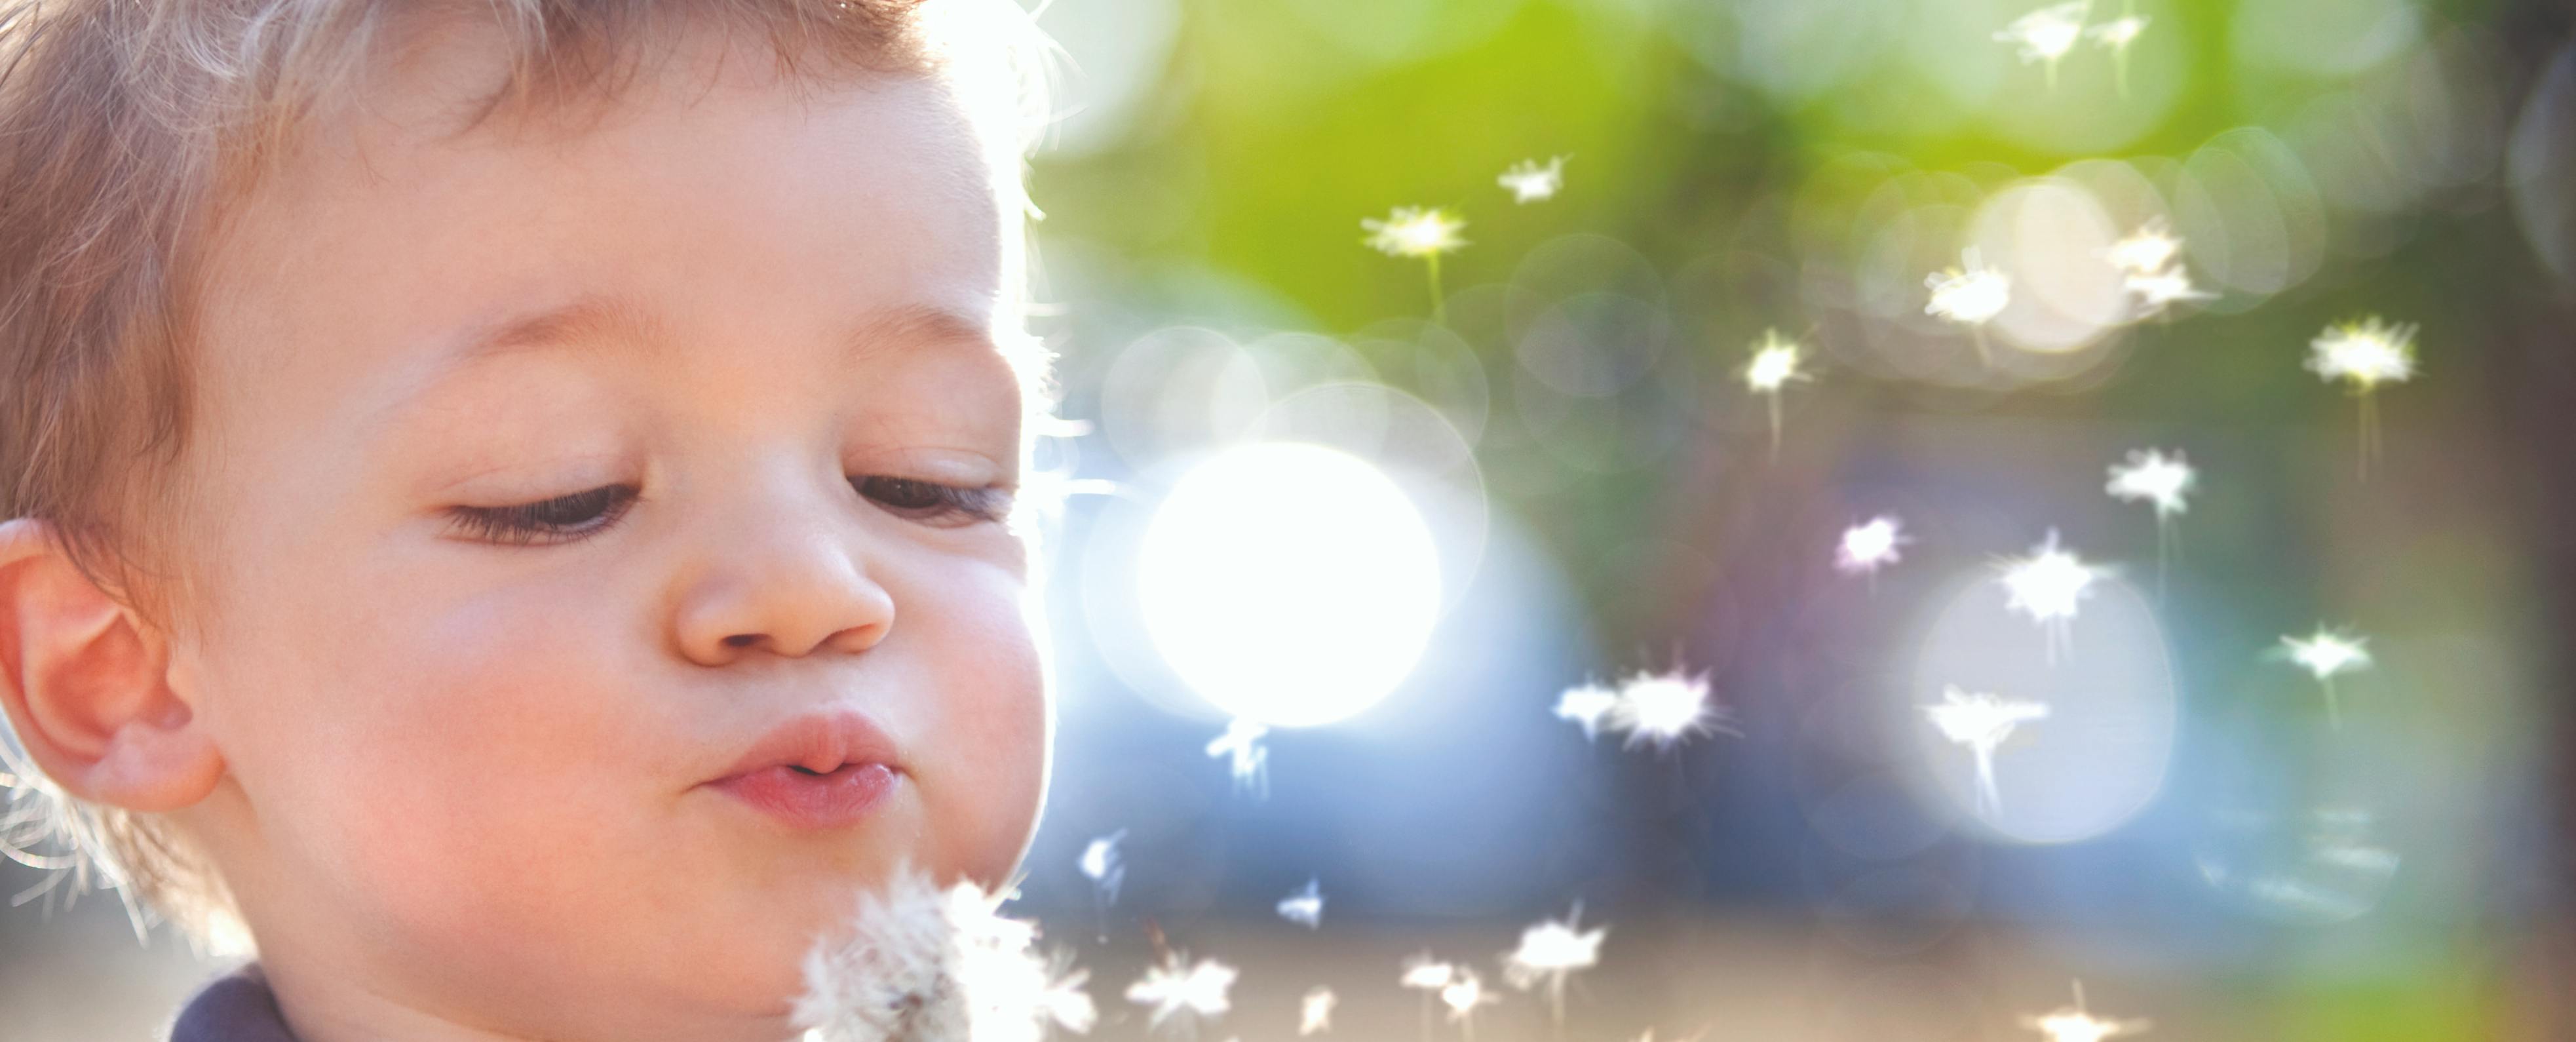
x=986, y=778
x=490, y=763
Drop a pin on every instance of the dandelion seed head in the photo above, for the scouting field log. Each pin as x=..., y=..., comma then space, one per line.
x=1464, y=992
x=2076, y=1024
x=1241, y=744
x=1870, y=545
x=1775, y=363
x=1415, y=231
x=2118, y=33
x=920, y=963
x=1305, y=907
x=2328, y=653
x=1315, y=1012
x=1531, y=182
x=1971, y=294
x=2049, y=584
x=1426, y=973
x=2364, y=354
x=2147, y=250
x=1101, y=864
x=2046, y=34
x=1177, y=986
x=1552, y=949
x=1664, y=708
x=2158, y=290
x=2155, y=477
x=1980, y=719
x=1586, y=705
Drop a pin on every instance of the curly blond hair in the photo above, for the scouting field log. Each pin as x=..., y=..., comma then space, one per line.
x=126, y=125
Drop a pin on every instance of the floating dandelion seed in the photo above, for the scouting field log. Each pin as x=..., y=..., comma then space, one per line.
x=2117, y=34
x=1177, y=986
x=2048, y=586
x=1531, y=182
x=1418, y=231
x=1107, y=871
x=1981, y=721
x=1251, y=760
x=922, y=964
x=1774, y=365
x=1970, y=295
x=1315, y=1012
x=1666, y=708
x=1586, y=704
x=2047, y=34
x=2147, y=250
x=2363, y=355
x=1552, y=951
x=2325, y=655
x=2076, y=1024
x=2163, y=480
x=1427, y=975
x=1101, y=864
x=2159, y=290
x=1305, y=907
x=1869, y=546
x=1462, y=995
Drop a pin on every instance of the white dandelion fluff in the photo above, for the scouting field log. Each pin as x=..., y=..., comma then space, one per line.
x=1425, y=973
x=1665, y=709
x=1662, y=708
x=2156, y=291
x=2364, y=354
x=2147, y=250
x=1315, y=1011
x=2151, y=476
x=1178, y=987
x=1970, y=295
x=1463, y=994
x=1305, y=907
x=2077, y=1024
x=1870, y=545
x=1101, y=864
x=1981, y=721
x=2047, y=34
x=2117, y=34
x=1776, y=363
x=1586, y=705
x=1429, y=976
x=921, y=964
x=1421, y=232
x=2154, y=477
x=1531, y=182
x=2049, y=585
x=1250, y=760
x=2325, y=655
x=1552, y=951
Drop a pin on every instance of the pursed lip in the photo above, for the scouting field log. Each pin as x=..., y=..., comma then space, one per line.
x=822, y=742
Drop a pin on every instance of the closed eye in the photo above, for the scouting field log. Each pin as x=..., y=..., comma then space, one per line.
x=580, y=515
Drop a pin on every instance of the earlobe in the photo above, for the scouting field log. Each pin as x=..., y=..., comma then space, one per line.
x=86, y=687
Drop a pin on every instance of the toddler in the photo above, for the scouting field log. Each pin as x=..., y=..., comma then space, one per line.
x=514, y=510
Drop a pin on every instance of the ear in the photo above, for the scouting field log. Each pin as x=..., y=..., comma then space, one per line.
x=85, y=685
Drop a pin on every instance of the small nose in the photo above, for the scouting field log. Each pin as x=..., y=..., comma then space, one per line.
x=785, y=583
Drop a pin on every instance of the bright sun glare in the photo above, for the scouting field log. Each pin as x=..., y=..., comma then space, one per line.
x=1289, y=583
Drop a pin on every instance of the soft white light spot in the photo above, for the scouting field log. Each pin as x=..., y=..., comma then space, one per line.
x=1289, y=584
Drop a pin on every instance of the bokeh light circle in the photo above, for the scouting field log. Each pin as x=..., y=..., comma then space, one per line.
x=1289, y=583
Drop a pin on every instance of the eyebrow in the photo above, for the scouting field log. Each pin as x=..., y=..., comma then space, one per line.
x=600, y=322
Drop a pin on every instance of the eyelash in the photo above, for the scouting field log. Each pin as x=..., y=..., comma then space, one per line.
x=569, y=519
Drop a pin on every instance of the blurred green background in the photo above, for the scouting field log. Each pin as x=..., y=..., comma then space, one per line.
x=2188, y=833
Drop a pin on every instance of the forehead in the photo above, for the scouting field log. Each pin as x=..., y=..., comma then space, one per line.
x=719, y=194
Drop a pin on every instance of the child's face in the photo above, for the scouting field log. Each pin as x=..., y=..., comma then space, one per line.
x=469, y=777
